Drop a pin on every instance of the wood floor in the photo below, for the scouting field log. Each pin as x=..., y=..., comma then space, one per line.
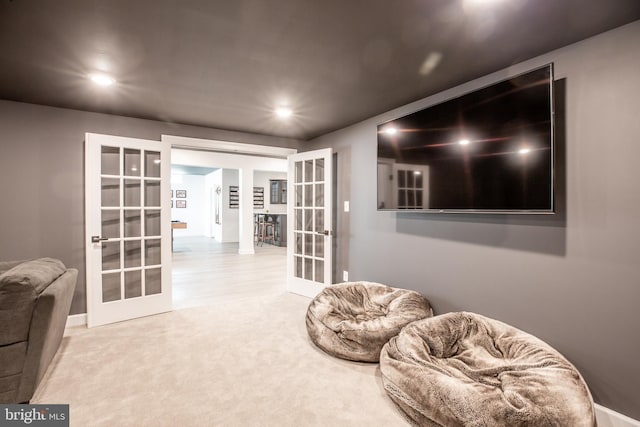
x=208, y=272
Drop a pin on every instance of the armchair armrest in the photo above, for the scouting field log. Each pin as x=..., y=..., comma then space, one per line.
x=46, y=331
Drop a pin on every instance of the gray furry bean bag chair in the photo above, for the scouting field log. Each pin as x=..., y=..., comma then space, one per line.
x=354, y=320
x=463, y=369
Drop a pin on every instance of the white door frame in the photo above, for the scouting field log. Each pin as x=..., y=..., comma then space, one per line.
x=246, y=158
x=227, y=147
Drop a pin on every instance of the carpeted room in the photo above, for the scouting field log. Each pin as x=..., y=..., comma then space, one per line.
x=171, y=368
x=549, y=277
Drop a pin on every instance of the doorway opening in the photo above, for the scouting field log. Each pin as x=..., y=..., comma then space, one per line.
x=207, y=263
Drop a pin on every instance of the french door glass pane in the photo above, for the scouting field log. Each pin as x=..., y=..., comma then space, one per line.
x=110, y=256
x=132, y=253
x=111, y=287
x=308, y=171
x=402, y=182
x=132, y=192
x=298, y=268
x=411, y=198
x=308, y=220
x=153, y=281
x=308, y=268
x=298, y=247
x=151, y=193
x=402, y=198
x=152, y=164
x=410, y=176
x=152, y=252
x=319, y=267
x=133, y=284
x=298, y=219
x=308, y=244
x=111, y=224
x=298, y=194
x=131, y=162
x=110, y=161
x=319, y=246
x=110, y=192
x=132, y=223
x=319, y=195
x=319, y=221
x=308, y=195
x=319, y=170
x=298, y=172
x=152, y=223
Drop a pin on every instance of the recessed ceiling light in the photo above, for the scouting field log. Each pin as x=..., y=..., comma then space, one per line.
x=283, y=112
x=391, y=131
x=464, y=142
x=524, y=150
x=430, y=63
x=102, y=79
x=479, y=2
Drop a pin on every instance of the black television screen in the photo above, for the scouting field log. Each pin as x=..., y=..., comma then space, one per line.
x=490, y=150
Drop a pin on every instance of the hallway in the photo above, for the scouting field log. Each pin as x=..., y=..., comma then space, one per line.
x=208, y=272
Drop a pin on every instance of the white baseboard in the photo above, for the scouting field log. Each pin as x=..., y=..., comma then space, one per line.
x=76, y=320
x=608, y=418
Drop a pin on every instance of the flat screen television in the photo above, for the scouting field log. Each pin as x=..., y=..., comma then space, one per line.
x=487, y=151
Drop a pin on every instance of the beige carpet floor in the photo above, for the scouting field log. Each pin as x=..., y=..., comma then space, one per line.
x=245, y=363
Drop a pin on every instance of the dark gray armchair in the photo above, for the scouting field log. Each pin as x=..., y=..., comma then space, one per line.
x=35, y=297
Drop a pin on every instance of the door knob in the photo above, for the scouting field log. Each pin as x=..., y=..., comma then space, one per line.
x=97, y=239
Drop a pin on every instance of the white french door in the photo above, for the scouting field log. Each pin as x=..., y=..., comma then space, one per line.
x=128, y=228
x=310, y=228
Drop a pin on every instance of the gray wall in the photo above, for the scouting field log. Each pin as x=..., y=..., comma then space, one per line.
x=572, y=279
x=42, y=177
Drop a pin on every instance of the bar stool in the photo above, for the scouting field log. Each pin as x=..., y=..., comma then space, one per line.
x=267, y=231
x=258, y=219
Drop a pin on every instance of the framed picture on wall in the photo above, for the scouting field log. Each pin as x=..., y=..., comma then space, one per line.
x=181, y=194
x=181, y=203
x=172, y=194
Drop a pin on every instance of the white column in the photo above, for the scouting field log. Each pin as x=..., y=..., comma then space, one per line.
x=245, y=220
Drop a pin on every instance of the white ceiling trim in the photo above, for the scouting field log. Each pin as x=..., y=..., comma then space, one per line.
x=227, y=147
x=216, y=159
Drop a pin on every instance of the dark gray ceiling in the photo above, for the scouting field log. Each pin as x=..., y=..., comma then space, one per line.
x=226, y=64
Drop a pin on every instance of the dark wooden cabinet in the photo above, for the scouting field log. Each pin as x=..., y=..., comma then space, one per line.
x=279, y=222
x=280, y=229
x=278, y=191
